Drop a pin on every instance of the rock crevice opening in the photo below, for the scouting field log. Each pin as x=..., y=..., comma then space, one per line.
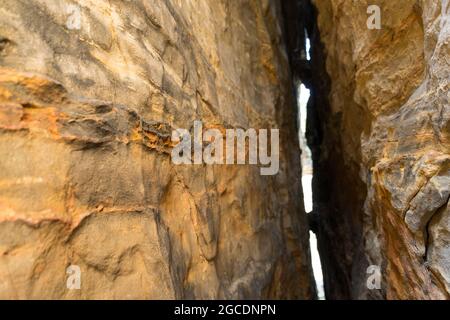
x=378, y=128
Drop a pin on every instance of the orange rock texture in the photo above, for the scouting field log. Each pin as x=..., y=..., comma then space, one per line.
x=380, y=130
x=90, y=92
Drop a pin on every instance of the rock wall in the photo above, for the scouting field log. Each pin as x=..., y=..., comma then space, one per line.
x=86, y=179
x=379, y=125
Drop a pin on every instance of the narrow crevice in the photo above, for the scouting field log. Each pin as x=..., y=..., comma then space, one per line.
x=332, y=217
x=338, y=193
x=299, y=19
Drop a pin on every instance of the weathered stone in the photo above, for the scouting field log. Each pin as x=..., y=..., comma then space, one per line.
x=86, y=178
x=379, y=127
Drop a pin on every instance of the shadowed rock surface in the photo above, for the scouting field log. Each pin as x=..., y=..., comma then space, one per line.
x=379, y=129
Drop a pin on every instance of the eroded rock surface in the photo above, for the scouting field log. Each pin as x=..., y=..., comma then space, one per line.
x=86, y=113
x=380, y=128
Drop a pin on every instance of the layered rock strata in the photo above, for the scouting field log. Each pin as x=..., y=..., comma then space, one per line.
x=379, y=126
x=90, y=92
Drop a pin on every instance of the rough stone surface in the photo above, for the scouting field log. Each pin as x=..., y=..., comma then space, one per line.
x=85, y=173
x=380, y=130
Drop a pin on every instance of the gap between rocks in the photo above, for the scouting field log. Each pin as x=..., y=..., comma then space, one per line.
x=300, y=18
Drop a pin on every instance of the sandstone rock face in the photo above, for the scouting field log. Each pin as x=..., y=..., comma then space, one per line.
x=86, y=179
x=380, y=130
